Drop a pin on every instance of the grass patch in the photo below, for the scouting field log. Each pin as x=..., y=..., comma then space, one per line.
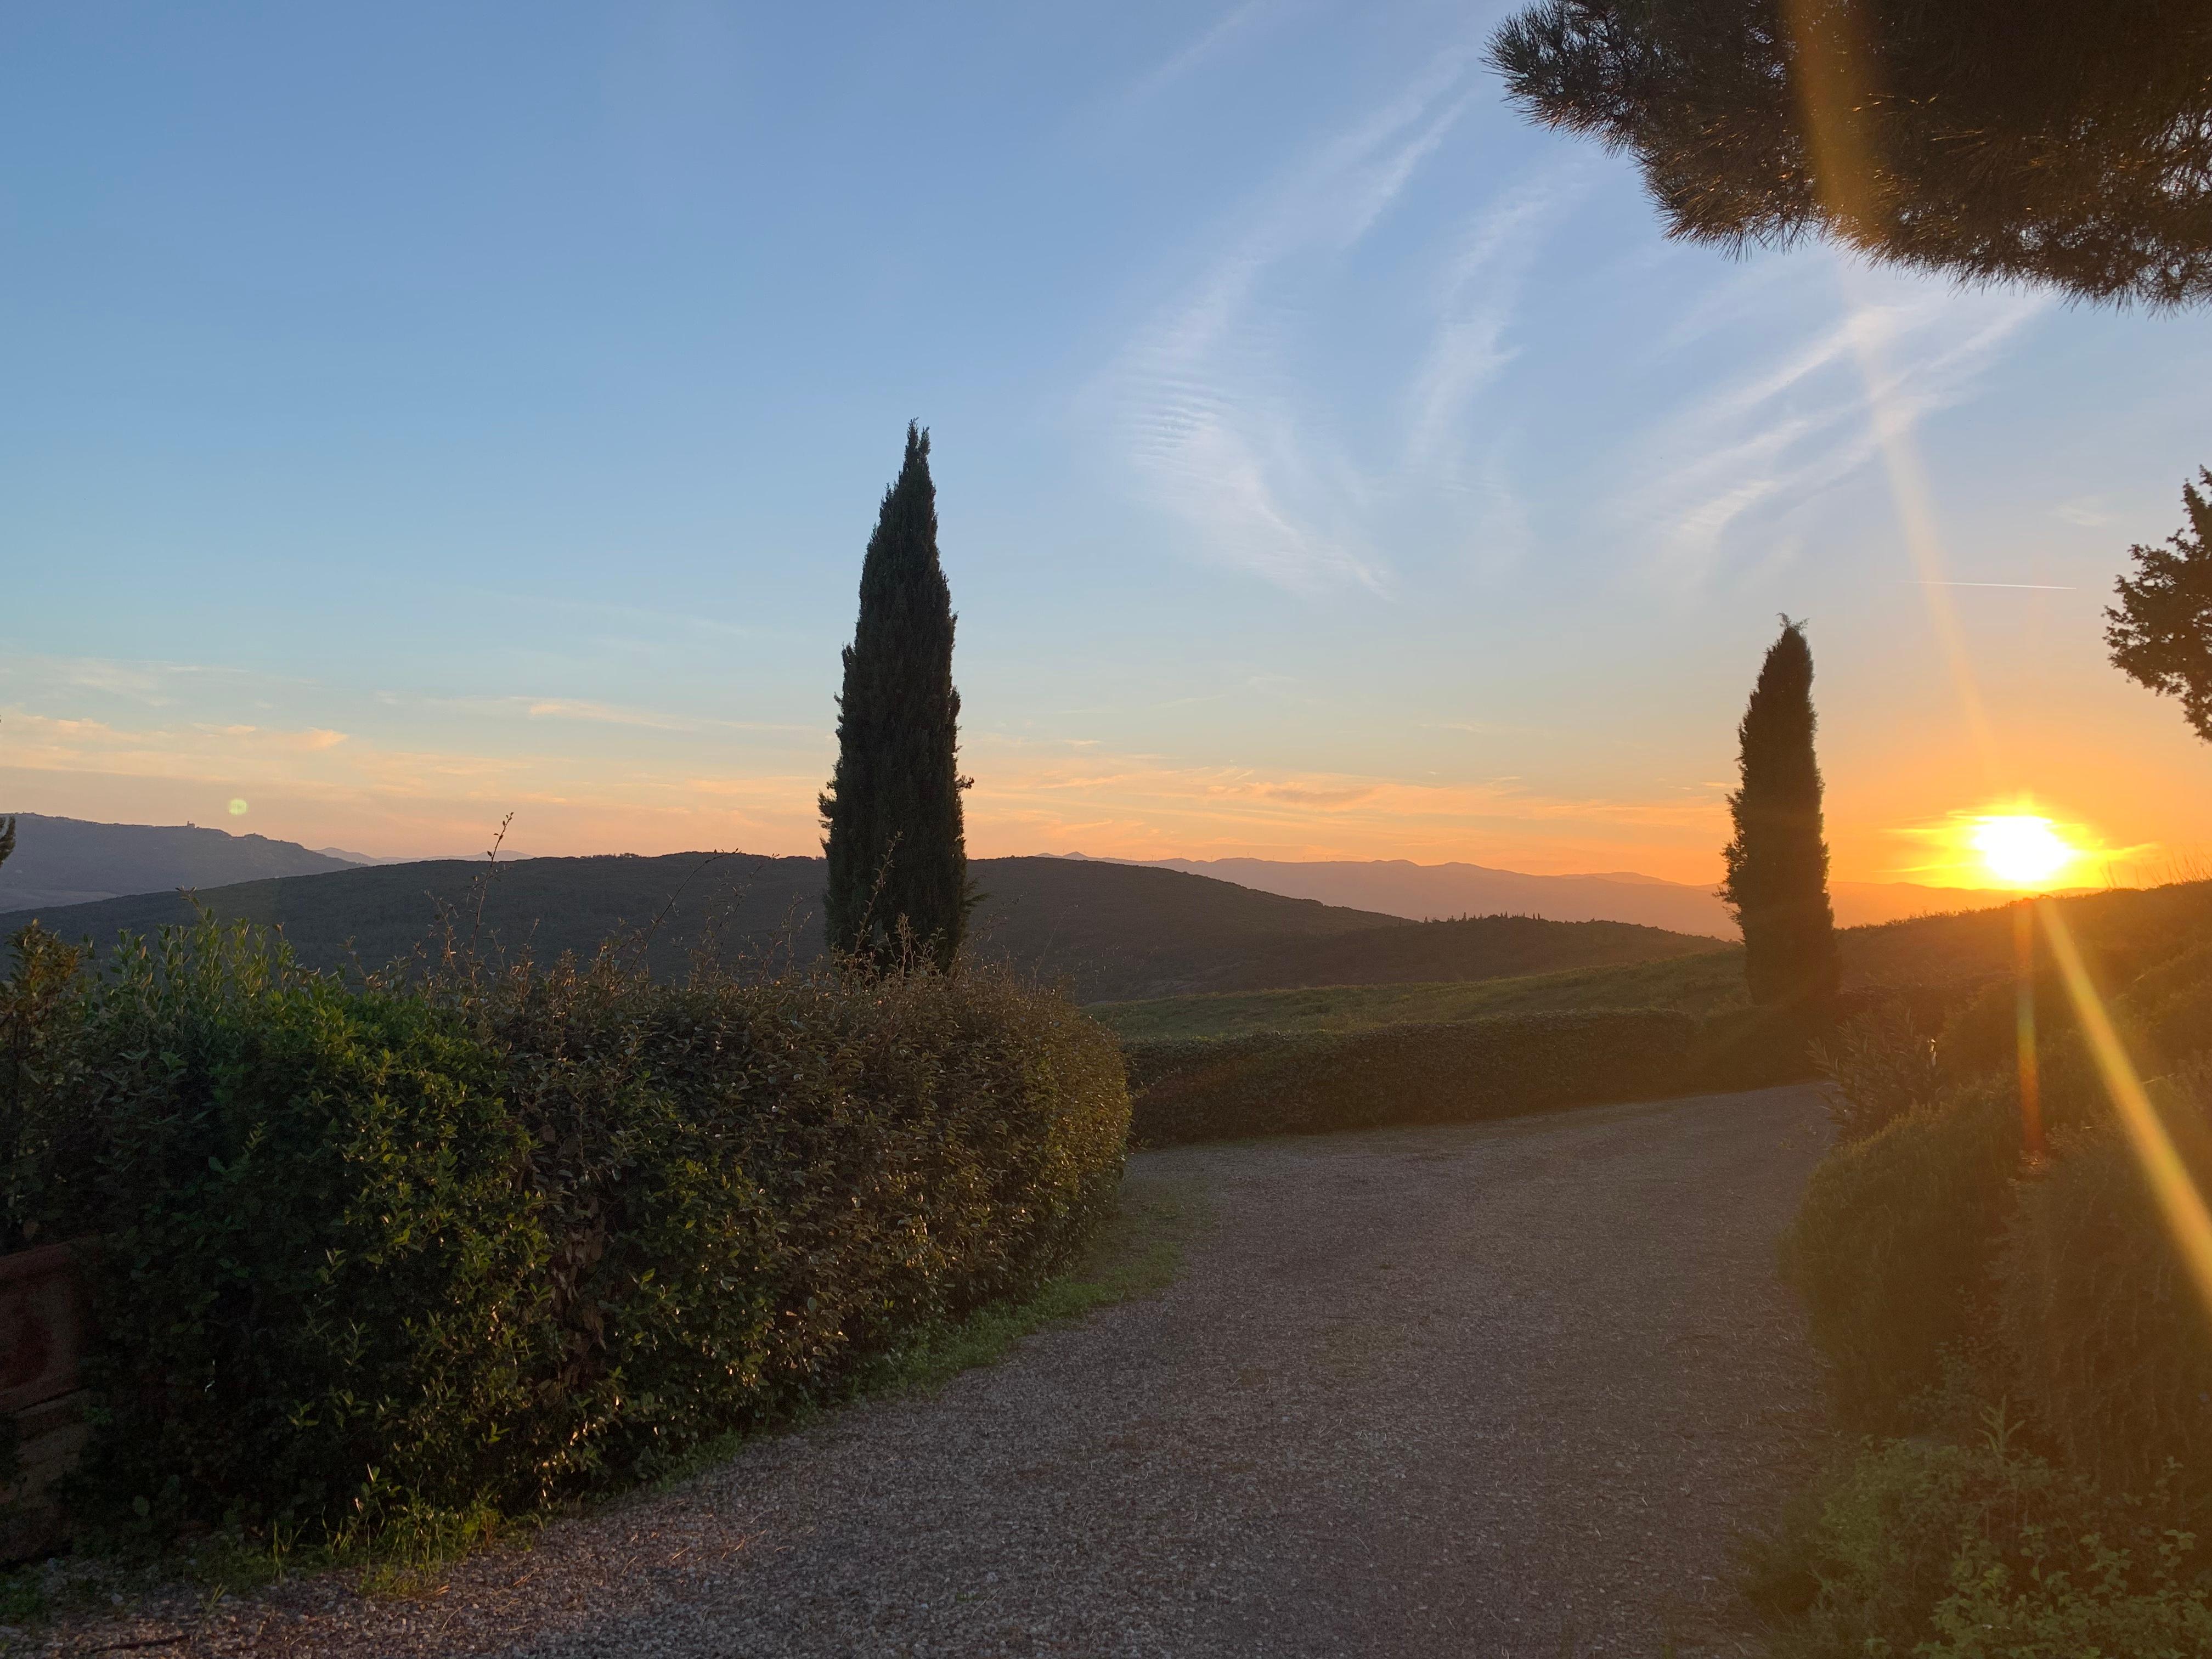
x=397, y=1550
x=1707, y=983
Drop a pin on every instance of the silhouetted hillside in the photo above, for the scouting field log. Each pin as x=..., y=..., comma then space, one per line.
x=1112, y=931
x=1398, y=887
x=2121, y=932
x=1473, y=947
x=70, y=861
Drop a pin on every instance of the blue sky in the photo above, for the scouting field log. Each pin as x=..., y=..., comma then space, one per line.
x=418, y=413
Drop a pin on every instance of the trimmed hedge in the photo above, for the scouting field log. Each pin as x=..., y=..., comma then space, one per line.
x=1268, y=1083
x=1283, y=1082
x=1932, y=1237
x=1944, y=1269
x=2108, y=1338
x=1893, y=1244
x=470, y=1241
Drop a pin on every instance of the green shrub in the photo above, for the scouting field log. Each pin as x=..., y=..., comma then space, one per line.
x=2164, y=1014
x=1892, y=1247
x=1301, y=1082
x=319, y=1251
x=763, y=1183
x=493, y=1238
x=39, y=1009
x=2168, y=1010
x=1932, y=1251
x=2108, y=1340
x=1879, y=1064
x=1955, y=1551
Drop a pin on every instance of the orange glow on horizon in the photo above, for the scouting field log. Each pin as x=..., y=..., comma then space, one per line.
x=2015, y=847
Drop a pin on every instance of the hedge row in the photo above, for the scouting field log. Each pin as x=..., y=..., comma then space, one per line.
x=1192, y=1089
x=1935, y=1237
x=1267, y=1082
x=495, y=1238
x=1947, y=1272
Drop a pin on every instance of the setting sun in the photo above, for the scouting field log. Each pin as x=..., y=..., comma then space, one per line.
x=2021, y=850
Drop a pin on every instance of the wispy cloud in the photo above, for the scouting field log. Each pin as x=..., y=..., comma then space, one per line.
x=591, y=713
x=153, y=684
x=1712, y=477
x=1233, y=25
x=2089, y=512
x=1214, y=413
x=1469, y=347
x=312, y=738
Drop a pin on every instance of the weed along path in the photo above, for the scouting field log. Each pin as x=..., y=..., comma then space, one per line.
x=1495, y=1389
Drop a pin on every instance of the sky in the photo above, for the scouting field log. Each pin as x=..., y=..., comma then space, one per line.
x=417, y=414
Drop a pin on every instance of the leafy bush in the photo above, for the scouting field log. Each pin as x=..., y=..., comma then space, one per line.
x=2107, y=1337
x=39, y=1011
x=2168, y=1010
x=1972, y=1552
x=1982, y=1038
x=494, y=1238
x=1878, y=1066
x=1933, y=1250
x=1281, y=1082
x=1892, y=1245
x=319, y=1250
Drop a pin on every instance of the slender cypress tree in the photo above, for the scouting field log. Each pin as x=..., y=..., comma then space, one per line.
x=898, y=862
x=1777, y=865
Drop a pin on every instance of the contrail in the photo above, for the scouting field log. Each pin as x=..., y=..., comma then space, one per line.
x=2040, y=587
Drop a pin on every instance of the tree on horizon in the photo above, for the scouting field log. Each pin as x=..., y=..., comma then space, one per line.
x=894, y=839
x=1777, y=865
x=2160, y=633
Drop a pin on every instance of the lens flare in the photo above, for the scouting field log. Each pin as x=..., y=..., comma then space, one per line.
x=2187, y=1218
x=2021, y=849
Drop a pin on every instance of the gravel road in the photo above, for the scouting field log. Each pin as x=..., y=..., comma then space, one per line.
x=1497, y=1390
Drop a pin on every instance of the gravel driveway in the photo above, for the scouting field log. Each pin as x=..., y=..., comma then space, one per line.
x=1496, y=1389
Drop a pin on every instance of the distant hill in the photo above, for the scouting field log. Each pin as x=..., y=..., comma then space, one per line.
x=1398, y=887
x=1469, y=948
x=2121, y=932
x=69, y=861
x=1112, y=931
x=345, y=857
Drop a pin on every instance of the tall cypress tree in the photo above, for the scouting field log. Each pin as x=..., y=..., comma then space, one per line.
x=1777, y=865
x=898, y=862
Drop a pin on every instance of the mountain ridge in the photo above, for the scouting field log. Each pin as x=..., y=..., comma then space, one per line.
x=1108, y=931
x=1402, y=887
x=60, y=860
